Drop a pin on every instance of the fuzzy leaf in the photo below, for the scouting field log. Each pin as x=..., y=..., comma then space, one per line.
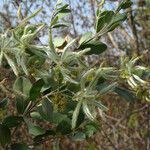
x=11, y=64
x=76, y=114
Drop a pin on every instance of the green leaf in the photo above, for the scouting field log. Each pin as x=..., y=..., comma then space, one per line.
x=54, y=21
x=126, y=94
x=12, y=64
x=5, y=135
x=58, y=117
x=20, y=146
x=96, y=47
x=90, y=129
x=12, y=121
x=59, y=2
x=3, y=102
x=58, y=41
x=85, y=37
x=31, y=16
x=35, y=89
x=58, y=25
x=76, y=114
x=36, y=61
x=81, y=118
x=67, y=77
x=36, y=115
x=62, y=13
x=106, y=88
x=91, y=147
x=116, y=20
x=98, y=104
x=34, y=129
x=124, y=5
x=37, y=51
x=64, y=127
x=22, y=87
x=104, y=20
x=108, y=21
x=62, y=7
x=88, y=112
x=65, y=50
x=79, y=136
x=21, y=104
x=45, y=110
x=19, y=13
x=23, y=65
x=48, y=133
x=1, y=58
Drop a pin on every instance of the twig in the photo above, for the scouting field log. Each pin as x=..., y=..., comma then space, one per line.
x=113, y=41
x=72, y=20
x=134, y=31
x=133, y=112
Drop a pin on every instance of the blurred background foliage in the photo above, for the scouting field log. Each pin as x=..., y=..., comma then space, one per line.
x=126, y=126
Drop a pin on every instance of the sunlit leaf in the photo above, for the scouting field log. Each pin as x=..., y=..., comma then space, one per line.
x=22, y=86
x=76, y=114
x=12, y=64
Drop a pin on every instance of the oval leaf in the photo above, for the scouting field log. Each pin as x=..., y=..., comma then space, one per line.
x=5, y=135
x=35, y=90
x=96, y=47
x=12, y=121
x=20, y=146
x=127, y=95
x=22, y=87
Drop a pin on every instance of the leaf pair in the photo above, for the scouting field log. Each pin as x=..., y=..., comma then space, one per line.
x=108, y=21
x=26, y=92
x=60, y=12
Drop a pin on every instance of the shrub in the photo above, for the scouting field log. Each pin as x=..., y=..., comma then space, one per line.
x=55, y=85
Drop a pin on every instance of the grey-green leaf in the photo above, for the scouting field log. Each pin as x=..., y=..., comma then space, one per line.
x=45, y=110
x=22, y=87
x=34, y=129
x=76, y=114
x=21, y=104
x=12, y=64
